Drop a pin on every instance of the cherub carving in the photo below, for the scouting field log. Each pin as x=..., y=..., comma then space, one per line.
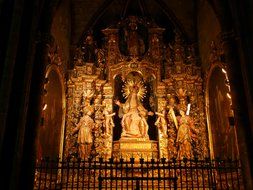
x=108, y=123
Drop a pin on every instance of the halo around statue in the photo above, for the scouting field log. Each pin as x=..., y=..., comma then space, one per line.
x=131, y=85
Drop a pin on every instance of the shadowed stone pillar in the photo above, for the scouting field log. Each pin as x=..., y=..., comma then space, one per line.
x=231, y=42
x=34, y=110
x=36, y=88
x=243, y=129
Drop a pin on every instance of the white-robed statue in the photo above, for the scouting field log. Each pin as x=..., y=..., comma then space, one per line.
x=134, y=120
x=84, y=129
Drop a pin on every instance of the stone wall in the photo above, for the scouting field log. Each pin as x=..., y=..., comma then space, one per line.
x=61, y=31
x=208, y=29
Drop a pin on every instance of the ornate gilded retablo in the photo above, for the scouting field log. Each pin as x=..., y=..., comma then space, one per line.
x=135, y=96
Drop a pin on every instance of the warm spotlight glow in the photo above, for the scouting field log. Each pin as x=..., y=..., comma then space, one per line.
x=46, y=80
x=44, y=92
x=224, y=71
x=188, y=109
x=44, y=107
x=229, y=96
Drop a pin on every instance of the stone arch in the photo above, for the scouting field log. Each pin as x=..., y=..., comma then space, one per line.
x=51, y=132
x=221, y=130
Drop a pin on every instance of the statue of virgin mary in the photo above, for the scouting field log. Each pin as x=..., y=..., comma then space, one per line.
x=134, y=120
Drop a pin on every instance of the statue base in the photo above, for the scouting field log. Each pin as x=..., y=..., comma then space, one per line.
x=137, y=148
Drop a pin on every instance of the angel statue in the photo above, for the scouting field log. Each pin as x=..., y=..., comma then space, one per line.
x=84, y=129
x=186, y=133
x=134, y=123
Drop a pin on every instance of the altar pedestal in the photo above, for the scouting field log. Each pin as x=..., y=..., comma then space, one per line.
x=137, y=148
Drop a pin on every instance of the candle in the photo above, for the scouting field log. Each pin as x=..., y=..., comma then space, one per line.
x=188, y=109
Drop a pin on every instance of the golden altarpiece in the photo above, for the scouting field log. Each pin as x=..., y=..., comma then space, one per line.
x=135, y=96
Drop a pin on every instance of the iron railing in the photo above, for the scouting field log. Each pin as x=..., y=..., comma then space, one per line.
x=138, y=174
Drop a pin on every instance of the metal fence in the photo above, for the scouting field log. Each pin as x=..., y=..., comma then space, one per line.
x=138, y=174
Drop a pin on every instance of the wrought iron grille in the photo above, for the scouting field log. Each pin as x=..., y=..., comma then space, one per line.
x=138, y=174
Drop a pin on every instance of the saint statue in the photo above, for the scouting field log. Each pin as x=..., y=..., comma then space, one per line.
x=171, y=114
x=178, y=48
x=185, y=134
x=89, y=49
x=134, y=121
x=78, y=58
x=172, y=126
x=84, y=129
x=100, y=55
x=155, y=47
x=161, y=122
x=135, y=43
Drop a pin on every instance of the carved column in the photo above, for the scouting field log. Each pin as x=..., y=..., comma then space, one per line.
x=108, y=101
x=163, y=141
